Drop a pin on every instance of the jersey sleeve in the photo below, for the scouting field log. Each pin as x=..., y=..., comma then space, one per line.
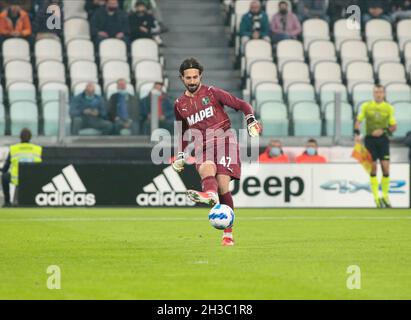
x=391, y=119
x=227, y=99
x=361, y=114
x=181, y=129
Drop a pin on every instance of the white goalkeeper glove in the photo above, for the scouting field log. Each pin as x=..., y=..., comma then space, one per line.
x=179, y=162
x=253, y=126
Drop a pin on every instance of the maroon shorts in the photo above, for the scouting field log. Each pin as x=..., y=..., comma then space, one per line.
x=225, y=156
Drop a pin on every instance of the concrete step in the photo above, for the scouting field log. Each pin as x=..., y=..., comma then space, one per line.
x=167, y=5
x=226, y=84
x=192, y=17
x=209, y=61
x=195, y=39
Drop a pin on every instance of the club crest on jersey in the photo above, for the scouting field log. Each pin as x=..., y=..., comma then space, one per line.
x=205, y=101
x=200, y=116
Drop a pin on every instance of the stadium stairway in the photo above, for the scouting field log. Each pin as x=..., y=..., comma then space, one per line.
x=196, y=29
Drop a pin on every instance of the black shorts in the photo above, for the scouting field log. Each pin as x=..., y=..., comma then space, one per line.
x=379, y=147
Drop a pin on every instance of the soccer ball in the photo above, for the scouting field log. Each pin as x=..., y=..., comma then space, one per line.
x=221, y=216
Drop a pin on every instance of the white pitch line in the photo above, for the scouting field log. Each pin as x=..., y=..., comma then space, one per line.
x=154, y=219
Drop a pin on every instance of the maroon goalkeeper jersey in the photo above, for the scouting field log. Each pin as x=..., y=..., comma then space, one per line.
x=206, y=111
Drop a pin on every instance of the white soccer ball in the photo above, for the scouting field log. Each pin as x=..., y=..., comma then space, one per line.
x=221, y=216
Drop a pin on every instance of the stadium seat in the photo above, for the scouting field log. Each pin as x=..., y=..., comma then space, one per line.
x=145, y=89
x=83, y=71
x=147, y=70
x=144, y=49
x=377, y=29
x=2, y=119
x=261, y=71
x=361, y=92
x=51, y=71
x=391, y=72
x=294, y=71
x=79, y=87
x=112, y=49
x=51, y=116
x=267, y=91
x=23, y=114
x=403, y=117
x=329, y=90
x=18, y=70
x=114, y=70
x=80, y=49
x=385, y=51
x=398, y=92
x=321, y=50
x=353, y=50
x=112, y=88
x=324, y=72
x=48, y=49
x=16, y=49
x=403, y=32
x=306, y=119
x=315, y=29
x=76, y=28
x=344, y=32
x=255, y=50
x=274, y=119
x=51, y=92
x=298, y=92
x=74, y=9
x=289, y=50
x=347, y=121
x=358, y=71
x=21, y=91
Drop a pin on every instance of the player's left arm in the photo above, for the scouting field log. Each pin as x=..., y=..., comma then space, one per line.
x=225, y=98
x=392, y=123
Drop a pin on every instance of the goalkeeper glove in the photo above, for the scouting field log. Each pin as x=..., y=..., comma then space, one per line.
x=253, y=126
x=179, y=162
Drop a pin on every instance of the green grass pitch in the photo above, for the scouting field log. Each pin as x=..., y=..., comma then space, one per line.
x=176, y=254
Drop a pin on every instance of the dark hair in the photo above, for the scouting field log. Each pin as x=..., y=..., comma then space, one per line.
x=190, y=63
x=25, y=135
x=312, y=141
x=140, y=3
x=379, y=86
x=283, y=2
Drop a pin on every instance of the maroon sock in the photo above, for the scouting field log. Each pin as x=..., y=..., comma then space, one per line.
x=227, y=199
x=209, y=184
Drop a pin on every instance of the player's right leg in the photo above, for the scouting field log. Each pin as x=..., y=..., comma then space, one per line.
x=375, y=185
x=385, y=183
x=208, y=195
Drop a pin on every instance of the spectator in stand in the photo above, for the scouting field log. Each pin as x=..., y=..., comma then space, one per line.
x=88, y=110
x=310, y=155
x=143, y=24
x=254, y=24
x=164, y=107
x=273, y=153
x=310, y=9
x=109, y=22
x=14, y=23
x=284, y=24
x=401, y=9
x=124, y=110
x=376, y=9
x=92, y=6
x=42, y=16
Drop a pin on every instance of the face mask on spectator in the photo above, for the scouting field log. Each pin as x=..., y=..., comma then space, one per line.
x=275, y=152
x=111, y=9
x=156, y=92
x=122, y=91
x=283, y=11
x=311, y=151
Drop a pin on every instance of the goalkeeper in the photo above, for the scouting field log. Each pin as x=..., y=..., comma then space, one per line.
x=380, y=124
